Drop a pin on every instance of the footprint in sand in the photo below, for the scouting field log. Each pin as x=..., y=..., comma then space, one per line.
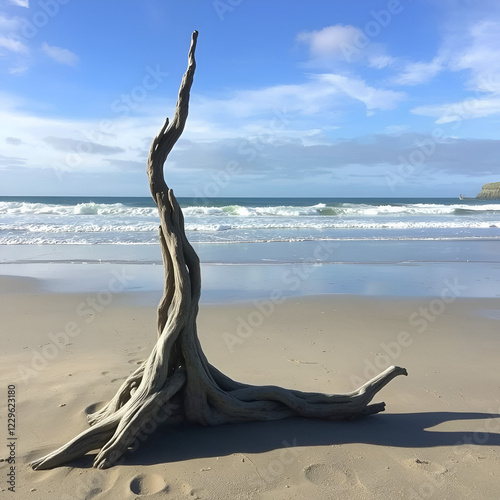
x=135, y=361
x=93, y=493
x=334, y=475
x=425, y=465
x=94, y=407
x=189, y=491
x=148, y=484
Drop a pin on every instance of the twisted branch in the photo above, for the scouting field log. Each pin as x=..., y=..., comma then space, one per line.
x=177, y=377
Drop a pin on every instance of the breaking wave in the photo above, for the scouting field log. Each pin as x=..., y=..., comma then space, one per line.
x=239, y=220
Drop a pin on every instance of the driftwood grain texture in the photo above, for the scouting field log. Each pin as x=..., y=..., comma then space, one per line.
x=177, y=379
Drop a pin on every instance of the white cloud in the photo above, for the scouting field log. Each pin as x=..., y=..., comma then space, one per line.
x=60, y=55
x=9, y=24
x=461, y=110
x=73, y=145
x=11, y=161
x=317, y=103
x=127, y=165
x=330, y=41
x=13, y=140
x=18, y=70
x=66, y=149
x=473, y=51
x=357, y=89
x=21, y=3
x=479, y=56
x=416, y=73
x=343, y=43
x=380, y=62
x=294, y=160
x=13, y=49
x=476, y=54
x=13, y=45
x=68, y=145
x=396, y=129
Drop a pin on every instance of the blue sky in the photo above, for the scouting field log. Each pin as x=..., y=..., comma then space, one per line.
x=291, y=98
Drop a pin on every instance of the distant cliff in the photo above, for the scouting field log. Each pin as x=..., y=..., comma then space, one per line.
x=490, y=191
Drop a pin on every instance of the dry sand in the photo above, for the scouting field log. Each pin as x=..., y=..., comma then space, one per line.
x=439, y=437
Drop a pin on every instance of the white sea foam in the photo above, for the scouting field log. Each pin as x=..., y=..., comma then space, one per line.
x=26, y=222
x=26, y=208
x=319, y=209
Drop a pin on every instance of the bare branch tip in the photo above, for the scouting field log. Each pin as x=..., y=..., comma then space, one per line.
x=194, y=38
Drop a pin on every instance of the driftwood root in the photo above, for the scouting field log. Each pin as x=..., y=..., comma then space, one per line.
x=177, y=381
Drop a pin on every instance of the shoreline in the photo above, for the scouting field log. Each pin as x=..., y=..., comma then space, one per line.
x=230, y=282
x=439, y=436
x=257, y=271
x=326, y=250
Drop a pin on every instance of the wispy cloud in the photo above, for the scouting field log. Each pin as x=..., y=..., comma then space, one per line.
x=13, y=140
x=342, y=43
x=461, y=110
x=82, y=144
x=9, y=24
x=317, y=102
x=11, y=161
x=18, y=70
x=20, y=3
x=358, y=89
x=380, y=61
x=475, y=56
x=479, y=56
x=82, y=147
x=127, y=165
x=13, y=45
x=284, y=156
x=331, y=41
x=60, y=55
x=416, y=73
x=14, y=50
x=367, y=155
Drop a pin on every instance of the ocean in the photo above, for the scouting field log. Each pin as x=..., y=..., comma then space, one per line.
x=130, y=221
x=384, y=242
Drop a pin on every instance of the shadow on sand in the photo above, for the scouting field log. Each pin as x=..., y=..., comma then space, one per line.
x=407, y=430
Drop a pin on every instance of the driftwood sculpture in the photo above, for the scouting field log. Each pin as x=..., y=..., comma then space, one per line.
x=177, y=376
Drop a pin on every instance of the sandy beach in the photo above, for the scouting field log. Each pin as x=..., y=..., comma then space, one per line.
x=66, y=354
x=333, y=244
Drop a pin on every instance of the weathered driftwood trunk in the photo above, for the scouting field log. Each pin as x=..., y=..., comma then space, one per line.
x=177, y=376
